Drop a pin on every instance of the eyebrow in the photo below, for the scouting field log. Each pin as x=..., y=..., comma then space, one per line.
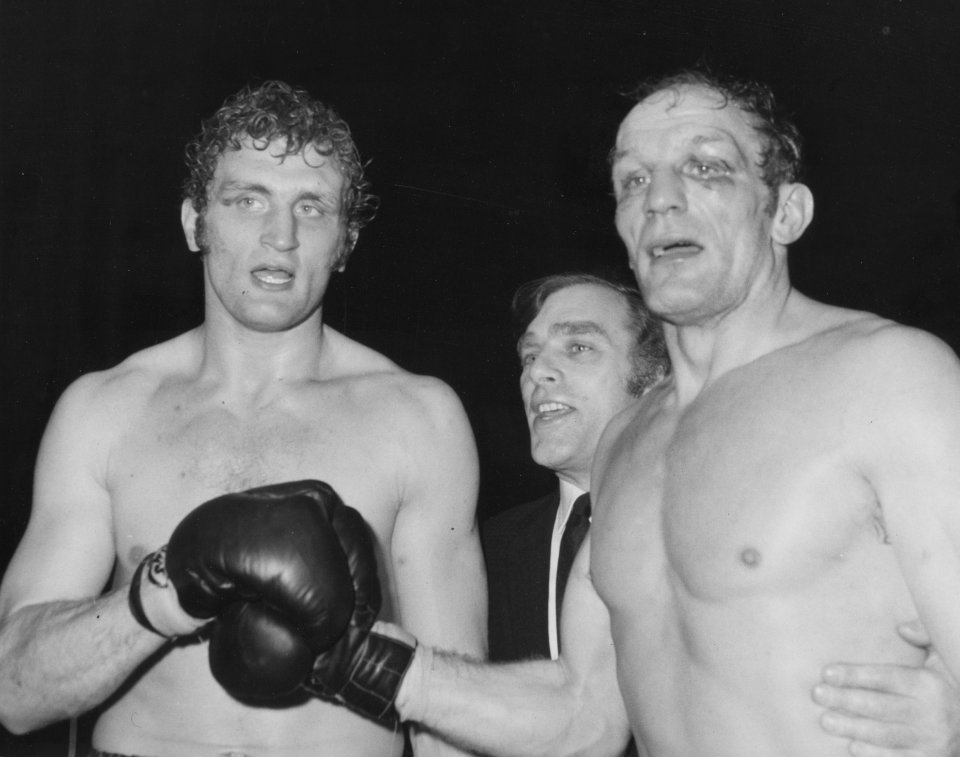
x=567, y=328
x=700, y=139
x=703, y=139
x=243, y=186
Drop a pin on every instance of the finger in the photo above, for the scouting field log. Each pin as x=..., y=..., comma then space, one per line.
x=863, y=703
x=895, y=679
x=935, y=665
x=862, y=749
x=866, y=732
x=915, y=633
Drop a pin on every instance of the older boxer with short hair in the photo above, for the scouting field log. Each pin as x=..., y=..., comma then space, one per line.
x=787, y=498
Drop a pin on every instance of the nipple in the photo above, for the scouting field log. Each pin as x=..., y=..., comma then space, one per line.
x=750, y=557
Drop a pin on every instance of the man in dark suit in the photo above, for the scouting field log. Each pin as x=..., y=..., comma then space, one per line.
x=588, y=348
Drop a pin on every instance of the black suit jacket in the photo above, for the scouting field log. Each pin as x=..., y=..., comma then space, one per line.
x=516, y=547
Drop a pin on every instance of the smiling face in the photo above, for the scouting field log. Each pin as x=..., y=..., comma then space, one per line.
x=576, y=363
x=272, y=233
x=692, y=207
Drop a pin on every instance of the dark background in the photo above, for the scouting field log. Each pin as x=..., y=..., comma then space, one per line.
x=488, y=125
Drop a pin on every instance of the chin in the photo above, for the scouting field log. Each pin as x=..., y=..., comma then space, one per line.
x=677, y=307
x=270, y=320
x=552, y=459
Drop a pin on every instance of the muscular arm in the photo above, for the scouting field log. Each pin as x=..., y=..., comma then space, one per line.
x=63, y=649
x=912, y=429
x=910, y=425
x=437, y=562
x=532, y=709
x=60, y=659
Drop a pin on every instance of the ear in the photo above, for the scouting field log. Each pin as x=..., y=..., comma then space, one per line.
x=188, y=219
x=794, y=213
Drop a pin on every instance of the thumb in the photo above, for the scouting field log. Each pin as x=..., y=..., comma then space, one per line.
x=914, y=632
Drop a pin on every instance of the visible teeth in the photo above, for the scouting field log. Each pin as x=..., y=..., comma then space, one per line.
x=549, y=407
x=272, y=277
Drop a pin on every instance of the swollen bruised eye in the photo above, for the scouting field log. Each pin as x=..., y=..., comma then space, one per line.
x=708, y=170
x=631, y=185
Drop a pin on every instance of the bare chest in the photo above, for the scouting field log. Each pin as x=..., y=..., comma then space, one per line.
x=752, y=489
x=176, y=455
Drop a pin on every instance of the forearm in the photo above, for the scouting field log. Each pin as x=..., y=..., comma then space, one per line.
x=527, y=709
x=60, y=659
x=427, y=744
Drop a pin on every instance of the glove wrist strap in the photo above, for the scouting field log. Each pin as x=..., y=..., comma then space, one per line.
x=154, y=565
x=372, y=678
x=153, y=599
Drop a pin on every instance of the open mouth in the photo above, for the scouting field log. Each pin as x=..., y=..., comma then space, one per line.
x=549, y=410
x=272, y=276
x=682, y=248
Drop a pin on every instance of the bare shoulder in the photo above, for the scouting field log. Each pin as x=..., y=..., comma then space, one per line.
x=638, y=418
x=888, y=351
x=107, y=396
x=93, y=413
x=379, y=384
x=825, y=338
x=880, y=375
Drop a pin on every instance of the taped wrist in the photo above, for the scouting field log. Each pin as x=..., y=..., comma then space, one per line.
x=154, y=566
x=371, y=684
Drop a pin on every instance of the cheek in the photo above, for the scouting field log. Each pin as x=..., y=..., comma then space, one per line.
x=628, y=221
x=526, y=388
x=214, y=237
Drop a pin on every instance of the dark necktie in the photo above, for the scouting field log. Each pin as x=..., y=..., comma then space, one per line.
x=573, y=533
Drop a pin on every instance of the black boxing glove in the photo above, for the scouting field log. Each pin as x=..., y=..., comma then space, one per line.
x=258, y=654
x=363, y=670
x=269, y=564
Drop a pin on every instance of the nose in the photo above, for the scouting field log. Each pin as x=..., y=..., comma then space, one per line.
x=544, y=369
x=665, y=193
x=280, y=231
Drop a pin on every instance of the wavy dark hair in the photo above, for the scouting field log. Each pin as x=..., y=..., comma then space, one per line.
x=781, y=156
x=648, y=355
x=272, y=111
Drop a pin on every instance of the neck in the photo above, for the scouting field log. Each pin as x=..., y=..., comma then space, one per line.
x=580, y=479
x=250, y=363
x=702, y=352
